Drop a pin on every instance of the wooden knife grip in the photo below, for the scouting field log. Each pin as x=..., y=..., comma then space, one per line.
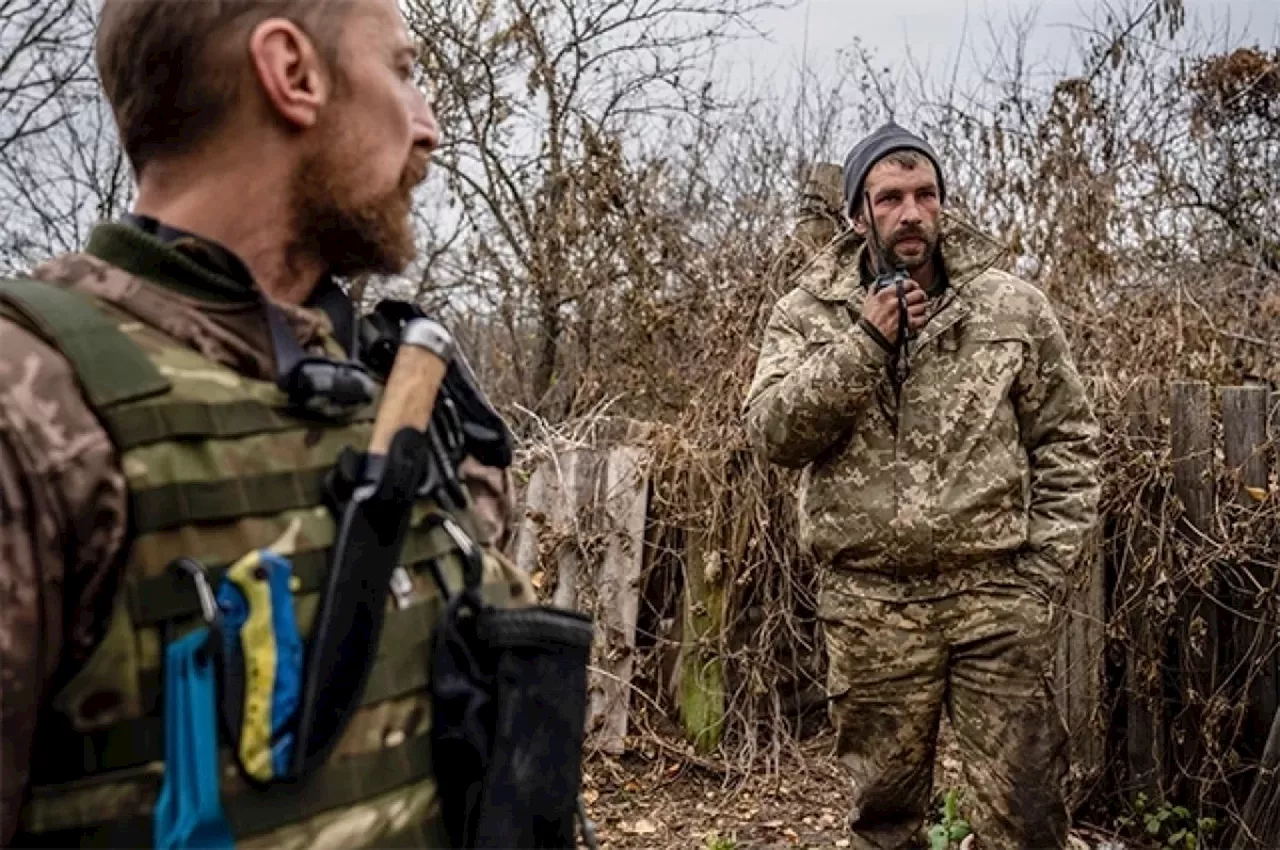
x=410, y=394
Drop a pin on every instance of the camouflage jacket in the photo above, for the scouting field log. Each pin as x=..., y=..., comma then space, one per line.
x=993, y=453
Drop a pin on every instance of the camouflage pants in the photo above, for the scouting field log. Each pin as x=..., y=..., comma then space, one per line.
x=982, y=654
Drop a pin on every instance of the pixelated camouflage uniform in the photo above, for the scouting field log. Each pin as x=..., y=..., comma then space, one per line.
x=945, y=535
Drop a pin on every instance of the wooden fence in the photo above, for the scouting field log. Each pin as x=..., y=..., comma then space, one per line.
x=1167, y=670
x=1168, y=667
x=583, y=529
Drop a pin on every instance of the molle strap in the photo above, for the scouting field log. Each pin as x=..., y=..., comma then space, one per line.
x=402, y=668
x=185, y=503
x=141, y=425
x=170, y=596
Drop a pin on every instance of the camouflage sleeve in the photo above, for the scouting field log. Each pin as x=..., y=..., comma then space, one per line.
x=807, y=392
x=62, y=521
x=1059, y=433
x=493, y=500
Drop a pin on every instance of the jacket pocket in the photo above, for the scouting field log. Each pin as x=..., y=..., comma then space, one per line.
x=980, y=462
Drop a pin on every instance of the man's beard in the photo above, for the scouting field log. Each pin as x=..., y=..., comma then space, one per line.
x=925, y=235
x=350, y=238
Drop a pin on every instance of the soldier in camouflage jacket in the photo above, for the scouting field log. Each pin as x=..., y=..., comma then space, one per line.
x=947, y=508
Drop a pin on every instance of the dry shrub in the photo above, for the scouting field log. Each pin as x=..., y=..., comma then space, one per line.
x=1191, y=615
x=1156, y=241
x=1138, y=191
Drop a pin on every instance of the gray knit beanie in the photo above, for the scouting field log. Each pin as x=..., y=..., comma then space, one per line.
x=872, y=149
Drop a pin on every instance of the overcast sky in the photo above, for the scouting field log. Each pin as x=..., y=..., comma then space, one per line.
x=937, y=29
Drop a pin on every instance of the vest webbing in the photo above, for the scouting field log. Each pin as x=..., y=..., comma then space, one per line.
x=338, y=783
x=215, y=467
x=140, y=741
x=140, y=426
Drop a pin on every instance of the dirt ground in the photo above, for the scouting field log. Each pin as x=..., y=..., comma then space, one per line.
x=656, y=799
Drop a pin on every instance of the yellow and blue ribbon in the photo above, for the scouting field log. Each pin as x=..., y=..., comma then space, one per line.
x=259, y=626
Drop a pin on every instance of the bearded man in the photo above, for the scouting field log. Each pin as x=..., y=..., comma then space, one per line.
x=949, y=481
x=179, y=389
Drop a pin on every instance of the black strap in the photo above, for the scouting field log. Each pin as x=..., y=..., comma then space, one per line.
x=330, y=298
x=901, y=364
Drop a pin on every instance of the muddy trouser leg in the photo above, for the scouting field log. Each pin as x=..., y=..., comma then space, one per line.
x=886, y=680
x=1012, y=739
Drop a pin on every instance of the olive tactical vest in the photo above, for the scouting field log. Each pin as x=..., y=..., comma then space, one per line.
x=217, y=468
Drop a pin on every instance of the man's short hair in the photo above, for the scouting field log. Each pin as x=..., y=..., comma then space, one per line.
x=172, y=69
x=906, y=159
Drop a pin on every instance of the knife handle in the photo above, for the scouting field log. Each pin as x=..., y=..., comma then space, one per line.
x=426, y=349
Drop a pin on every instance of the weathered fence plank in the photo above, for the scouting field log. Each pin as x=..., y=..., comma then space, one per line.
x=625, y=504
x=583, y=525
x=702, y=690
x=1245, y=451
x=557, y=508
x=1146, y=734
x=1259, y=827
x=1081, y=669
x=1200, y=626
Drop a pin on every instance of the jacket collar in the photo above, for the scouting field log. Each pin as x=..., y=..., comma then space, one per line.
x=832, y=275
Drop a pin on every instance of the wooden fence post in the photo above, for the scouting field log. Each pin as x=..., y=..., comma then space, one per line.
x=1080, y=670
x=625, y=497
x=1146, y=734
x=1244, y=434
x=1200, y=626
x=702, y=687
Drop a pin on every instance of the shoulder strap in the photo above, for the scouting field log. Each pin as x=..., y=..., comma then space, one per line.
x=111, y=367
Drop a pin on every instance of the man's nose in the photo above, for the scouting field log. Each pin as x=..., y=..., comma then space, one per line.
x=911, y=212
x=426, y=129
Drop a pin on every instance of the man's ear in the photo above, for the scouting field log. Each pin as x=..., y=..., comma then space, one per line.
x=289, y=70
x=859, y=223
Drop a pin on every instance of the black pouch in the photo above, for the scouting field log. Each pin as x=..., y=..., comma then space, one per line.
x=509, y=692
